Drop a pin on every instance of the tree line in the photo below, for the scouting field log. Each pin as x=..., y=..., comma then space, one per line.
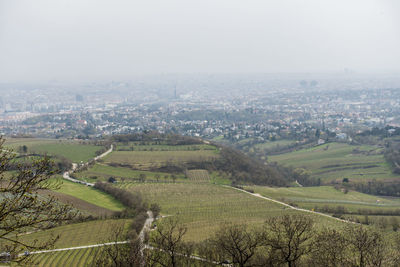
x=289, y=240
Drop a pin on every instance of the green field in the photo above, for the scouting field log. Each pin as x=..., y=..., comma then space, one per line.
x=83, y=206
x=79, y=234
x=335, y=161
x=203, y=207
x=71, y=150
x=146, y=159
x=101, y=172
x=90, y=195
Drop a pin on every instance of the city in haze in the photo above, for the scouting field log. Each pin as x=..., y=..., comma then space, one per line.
x=200, y=133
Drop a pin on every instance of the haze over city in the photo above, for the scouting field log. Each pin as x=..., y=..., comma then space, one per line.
x=45, y=40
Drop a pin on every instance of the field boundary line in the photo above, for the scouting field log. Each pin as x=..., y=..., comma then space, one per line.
x=289, y=206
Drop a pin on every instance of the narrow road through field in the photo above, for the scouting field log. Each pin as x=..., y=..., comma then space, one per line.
x=289, y=206
x=147, y=225
x=73, y=248
x=75, y=166
x=105, y=153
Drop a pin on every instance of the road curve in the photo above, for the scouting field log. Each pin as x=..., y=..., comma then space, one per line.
x=75, y=166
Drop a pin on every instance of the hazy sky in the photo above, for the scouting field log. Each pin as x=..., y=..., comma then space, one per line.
x=93, y=39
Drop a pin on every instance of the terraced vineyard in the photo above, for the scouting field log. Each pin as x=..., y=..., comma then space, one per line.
x=203, y=207
x=322, y=197
x=198, y=175
x=326, y=195
x=79, y=234
x=76, y=257
x=335, y=161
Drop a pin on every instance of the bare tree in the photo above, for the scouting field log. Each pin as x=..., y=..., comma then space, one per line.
x=355, y=246
x=329, y=249
x=367, y=246
x=168, y=243
x=155, y=208
x=142, y=177
x=289, y=237
x=22, y=208
x=237, y=243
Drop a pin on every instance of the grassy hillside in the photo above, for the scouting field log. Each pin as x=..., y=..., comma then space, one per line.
x=90, y=195
x=71, y=150
x=335, y=161
x=82, y=205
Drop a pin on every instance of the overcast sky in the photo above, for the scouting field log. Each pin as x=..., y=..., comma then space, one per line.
x=115, y=39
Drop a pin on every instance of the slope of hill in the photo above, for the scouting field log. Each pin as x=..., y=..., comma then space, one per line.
x=335, y=161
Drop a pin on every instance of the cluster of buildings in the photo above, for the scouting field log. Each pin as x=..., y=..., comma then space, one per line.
x=220, y=109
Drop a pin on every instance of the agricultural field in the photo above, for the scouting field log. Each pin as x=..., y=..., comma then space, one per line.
x=90, y=195
x=198, y=175
x=79, y=234
x=204, y=207
x=83, y=206
x=71, y=150
x=323, y=195
x=335, y=161
x=197, y=197
x=316, y=198
x=101, y=172
x=144, y=160
x=76, y=257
